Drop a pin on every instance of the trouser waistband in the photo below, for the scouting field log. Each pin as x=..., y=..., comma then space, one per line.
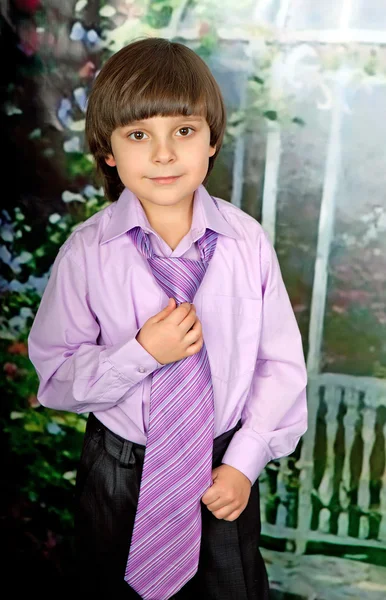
x=123, y=450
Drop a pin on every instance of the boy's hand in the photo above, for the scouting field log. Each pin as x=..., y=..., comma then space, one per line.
x=172, y=334
x=229, y=494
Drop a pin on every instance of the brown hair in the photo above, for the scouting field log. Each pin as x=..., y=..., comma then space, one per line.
x=147, y=78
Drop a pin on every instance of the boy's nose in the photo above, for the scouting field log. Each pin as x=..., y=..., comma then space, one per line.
x=164, y=154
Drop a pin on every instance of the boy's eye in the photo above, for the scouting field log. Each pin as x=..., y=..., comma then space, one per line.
x=138, y=135
x=185, y=131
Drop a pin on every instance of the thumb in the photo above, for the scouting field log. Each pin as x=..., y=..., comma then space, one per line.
x=165, y=311
x=215, y=474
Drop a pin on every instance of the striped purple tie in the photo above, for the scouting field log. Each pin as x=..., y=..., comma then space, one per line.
x=177, y=468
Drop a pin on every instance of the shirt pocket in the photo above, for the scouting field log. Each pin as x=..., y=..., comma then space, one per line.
x=231, y=330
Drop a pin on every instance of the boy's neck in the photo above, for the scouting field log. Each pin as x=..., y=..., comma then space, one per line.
x=171, y=223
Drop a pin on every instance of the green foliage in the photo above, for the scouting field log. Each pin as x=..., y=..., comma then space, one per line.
x=379, y=370
x=208, y=44
x=51, y=441
x=78, y=164
x=43, y=444
x=159, y=13
x=26, y=271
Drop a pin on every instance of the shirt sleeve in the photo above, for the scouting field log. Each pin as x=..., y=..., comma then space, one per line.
x=75, y=373
x=275, y=414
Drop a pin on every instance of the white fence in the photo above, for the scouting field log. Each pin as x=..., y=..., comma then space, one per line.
x=336, y=492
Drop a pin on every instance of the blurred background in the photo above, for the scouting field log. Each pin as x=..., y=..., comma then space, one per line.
x=304, y=82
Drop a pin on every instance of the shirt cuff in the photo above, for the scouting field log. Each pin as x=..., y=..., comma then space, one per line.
x=132, y=361
x=248, y=453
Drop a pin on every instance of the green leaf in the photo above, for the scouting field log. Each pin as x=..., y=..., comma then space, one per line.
x=16, y=415
x=34, y=427
x=271, y=115
x=78, y=164
x=256, y=79
x=35, y=134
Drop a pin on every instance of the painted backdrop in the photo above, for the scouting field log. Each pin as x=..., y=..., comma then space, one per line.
x=305, y=88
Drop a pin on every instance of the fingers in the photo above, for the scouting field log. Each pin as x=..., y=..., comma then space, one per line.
x=165, y=311
x=226, y=511
x=213, y=497
x=232, y=516
x=217, y=504
x=222, y=508
x=191, y=327
x=194, y=348
x=189, y=320
x=229, y=511
x=180, y=313
x=184, y=316
x=194, y=333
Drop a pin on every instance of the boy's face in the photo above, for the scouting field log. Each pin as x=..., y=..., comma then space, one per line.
x=162, y=160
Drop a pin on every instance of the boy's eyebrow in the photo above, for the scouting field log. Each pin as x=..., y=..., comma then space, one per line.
x=178, y=117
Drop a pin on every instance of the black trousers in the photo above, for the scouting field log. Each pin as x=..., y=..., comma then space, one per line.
x=107, y=490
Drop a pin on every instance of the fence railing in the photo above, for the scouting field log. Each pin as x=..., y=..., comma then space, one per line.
x=333, y=489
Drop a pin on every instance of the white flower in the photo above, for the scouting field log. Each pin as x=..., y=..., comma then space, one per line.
x=16, y=286
x=38, y=283
x=80, y=5
x=107, y=11
x=68, y=196
x=24, y=257
x=54, y=428
x=54, y=218
x=5, y=255
x=65, y=108
x=92, y=37
x=16, y=323
x=81, y=98
x=78, y=125
x=90, y=191
x=77, y=32
x=72, y=145
x=7, y=233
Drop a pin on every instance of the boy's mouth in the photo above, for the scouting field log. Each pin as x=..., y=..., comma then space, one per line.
x=165, y=180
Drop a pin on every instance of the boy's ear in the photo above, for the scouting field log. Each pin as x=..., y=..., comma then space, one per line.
x=212, y=151
x=109, y=159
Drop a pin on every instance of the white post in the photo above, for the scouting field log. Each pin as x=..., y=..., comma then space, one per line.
x=327, y=218
x=325, y=233
x=273, y=151
x=272, y=164
x=239, y=153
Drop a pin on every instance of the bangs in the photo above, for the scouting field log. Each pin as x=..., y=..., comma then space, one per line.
x=165, y=94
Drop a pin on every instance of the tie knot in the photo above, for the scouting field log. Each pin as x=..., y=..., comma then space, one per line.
x=141, y=241
x=207, y=245
x=179, y=277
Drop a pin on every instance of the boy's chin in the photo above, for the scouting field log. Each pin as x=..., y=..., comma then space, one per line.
x=165, y=197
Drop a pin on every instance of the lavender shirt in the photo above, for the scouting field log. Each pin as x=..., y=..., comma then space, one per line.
x=100, y=293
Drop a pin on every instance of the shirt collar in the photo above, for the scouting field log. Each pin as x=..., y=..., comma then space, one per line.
x=128, y=213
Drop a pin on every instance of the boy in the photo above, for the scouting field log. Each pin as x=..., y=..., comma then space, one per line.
x=166, y=319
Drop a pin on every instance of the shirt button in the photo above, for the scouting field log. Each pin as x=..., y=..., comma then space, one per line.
x=141, y=370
